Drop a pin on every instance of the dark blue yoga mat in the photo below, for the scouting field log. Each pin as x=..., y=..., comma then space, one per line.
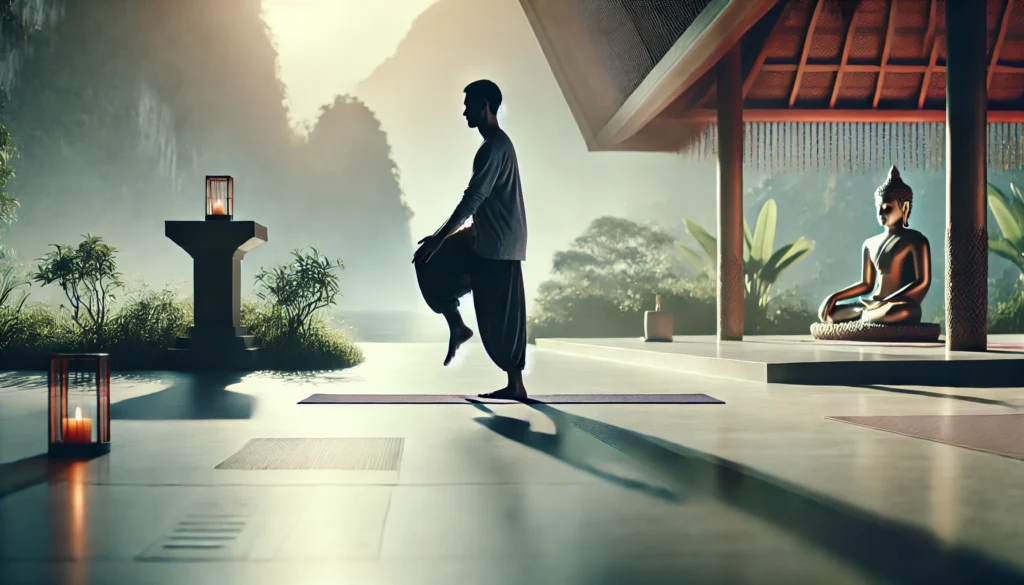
x=542, y=398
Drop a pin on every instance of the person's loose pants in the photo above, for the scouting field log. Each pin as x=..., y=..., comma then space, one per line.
x=498, y=296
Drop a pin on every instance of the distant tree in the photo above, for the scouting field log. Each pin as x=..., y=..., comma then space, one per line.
x=89, y=278
x=618, y=259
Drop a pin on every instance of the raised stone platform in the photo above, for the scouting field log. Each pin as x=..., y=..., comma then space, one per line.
x=874, y=332
x=803, y=360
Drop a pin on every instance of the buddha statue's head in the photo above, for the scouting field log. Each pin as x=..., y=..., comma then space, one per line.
x=893, y=201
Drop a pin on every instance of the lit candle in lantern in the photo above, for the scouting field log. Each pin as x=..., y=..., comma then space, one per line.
x=218, y=207
x=78, y=429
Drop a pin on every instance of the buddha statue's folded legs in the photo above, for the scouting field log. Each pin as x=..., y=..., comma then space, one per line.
x=882, y=313
x=892, y=313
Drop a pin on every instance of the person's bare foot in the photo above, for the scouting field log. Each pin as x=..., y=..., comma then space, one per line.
x=456, y=338
x=511, y=392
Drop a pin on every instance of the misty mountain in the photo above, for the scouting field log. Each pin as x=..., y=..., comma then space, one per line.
x=119, y=109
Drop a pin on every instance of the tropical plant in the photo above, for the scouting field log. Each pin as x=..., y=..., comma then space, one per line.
x=301, y=289
x=1009, y=213
x=761, y=265
x=89, y=278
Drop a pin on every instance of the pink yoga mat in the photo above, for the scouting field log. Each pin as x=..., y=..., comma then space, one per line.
x=1001, y=434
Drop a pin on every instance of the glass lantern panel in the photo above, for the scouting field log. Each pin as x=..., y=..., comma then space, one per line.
x=219, y=196
x=79, y=425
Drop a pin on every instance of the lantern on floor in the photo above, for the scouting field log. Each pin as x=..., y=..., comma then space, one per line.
x=220, y=197
x=79, y=404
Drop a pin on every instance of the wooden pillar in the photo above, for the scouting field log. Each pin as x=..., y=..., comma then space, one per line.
x=730, y=196
x=966, y=177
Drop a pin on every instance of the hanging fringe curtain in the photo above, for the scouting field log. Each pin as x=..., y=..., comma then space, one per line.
x=856, y=147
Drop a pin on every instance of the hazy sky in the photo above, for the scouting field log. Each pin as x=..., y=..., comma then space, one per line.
x=325, y=47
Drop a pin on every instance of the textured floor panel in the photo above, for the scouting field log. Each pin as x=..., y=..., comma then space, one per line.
x=343, y=454
x=209, y=531
x=545, y=399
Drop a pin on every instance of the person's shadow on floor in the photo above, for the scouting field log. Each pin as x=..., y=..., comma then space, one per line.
x=567, y=445
x=888, y=550
x=199, y=396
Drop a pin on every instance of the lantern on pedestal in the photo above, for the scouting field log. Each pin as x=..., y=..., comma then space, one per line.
x=220, y=197
x=79, y=404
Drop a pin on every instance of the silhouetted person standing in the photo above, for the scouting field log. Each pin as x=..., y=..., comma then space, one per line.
x=485, y=259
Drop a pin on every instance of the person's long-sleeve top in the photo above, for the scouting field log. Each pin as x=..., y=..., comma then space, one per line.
x=494, y=199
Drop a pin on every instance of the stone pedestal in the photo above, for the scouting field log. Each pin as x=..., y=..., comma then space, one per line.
x=217, y=341
x=658, y=326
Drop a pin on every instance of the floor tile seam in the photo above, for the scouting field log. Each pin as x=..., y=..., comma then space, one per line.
x=340, y=484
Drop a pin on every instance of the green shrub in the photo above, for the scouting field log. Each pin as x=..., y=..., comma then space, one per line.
x=780, y=317
x=138, y=334
x=1008, y=315
x=39, y=331
x=315, y=346
x=147, y=325
x=151, y=319
x=11, y=304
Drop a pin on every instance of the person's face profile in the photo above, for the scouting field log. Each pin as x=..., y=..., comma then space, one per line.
x=474, y=111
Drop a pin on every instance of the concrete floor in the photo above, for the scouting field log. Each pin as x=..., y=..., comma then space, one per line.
x=762, y=489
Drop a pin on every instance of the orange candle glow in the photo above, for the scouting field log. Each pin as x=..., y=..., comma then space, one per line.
x=77, y=430
x=218, y=207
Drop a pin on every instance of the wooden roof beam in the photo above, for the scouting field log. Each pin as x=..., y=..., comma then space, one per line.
x=933, y=23
x=847, y=44
x=748, y=83
x=998, y=47
x=890, y=68
x=835, y=115
x=808, y=40
x=890, y=31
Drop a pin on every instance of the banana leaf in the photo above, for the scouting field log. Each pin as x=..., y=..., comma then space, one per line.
x=1005, y=249
x=764, y=233
x=748, y=241
x=698, y=262
x=785, y=257
x=1009, y=223
x=1017, y=198
x=707, y=242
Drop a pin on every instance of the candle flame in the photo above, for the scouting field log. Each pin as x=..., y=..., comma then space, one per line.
x=218, y=207
x=78, y=413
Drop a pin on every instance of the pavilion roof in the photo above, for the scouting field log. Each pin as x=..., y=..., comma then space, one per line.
x=874, y=62
x=866, y=61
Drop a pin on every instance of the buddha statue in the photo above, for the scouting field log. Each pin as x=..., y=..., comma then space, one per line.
x=896, y=275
